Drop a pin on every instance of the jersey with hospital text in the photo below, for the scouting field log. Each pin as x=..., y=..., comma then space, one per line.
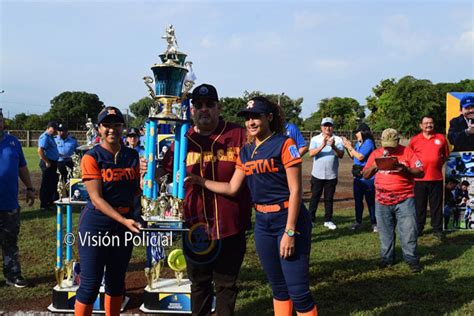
x=265, y=168
x=120, y=174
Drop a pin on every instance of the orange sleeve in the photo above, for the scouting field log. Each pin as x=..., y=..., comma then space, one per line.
x=290, y=155
x=238, y=164
x=90, y=169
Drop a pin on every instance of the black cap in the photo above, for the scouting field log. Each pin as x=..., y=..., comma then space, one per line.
x=256, y=106
x=133, y=132
x=205, y=91
x=110, y=114
x=62, y=128
x=362, y=127
x=52, y=124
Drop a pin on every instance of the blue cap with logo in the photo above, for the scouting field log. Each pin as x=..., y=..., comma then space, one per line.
x=467, y=101
x=256, y=106
x=110, y=114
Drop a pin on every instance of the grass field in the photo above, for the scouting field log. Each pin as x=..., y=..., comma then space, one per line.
x=345, y=279
x=344, y=275
x=32, y=158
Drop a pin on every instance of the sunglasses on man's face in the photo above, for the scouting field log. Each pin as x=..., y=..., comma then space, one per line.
x=210, y=104
x=328, y=125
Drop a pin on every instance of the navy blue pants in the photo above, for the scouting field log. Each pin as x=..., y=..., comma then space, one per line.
x=364, y=187
x=114, y=257
x=289, y=278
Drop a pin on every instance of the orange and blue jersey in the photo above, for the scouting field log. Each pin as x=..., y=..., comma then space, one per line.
x=265, y=168
x=120, y=174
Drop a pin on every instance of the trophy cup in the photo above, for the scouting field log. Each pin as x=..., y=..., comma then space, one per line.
x=169, y=87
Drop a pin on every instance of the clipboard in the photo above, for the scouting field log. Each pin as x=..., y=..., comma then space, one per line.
x=386, y=163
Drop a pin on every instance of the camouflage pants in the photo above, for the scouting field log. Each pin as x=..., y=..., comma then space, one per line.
x=9, y=230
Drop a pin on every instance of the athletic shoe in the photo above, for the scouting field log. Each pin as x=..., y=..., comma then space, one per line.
x=415, y=267
x=375, y=229
x=17, y=282
x=330, y=225
x=355, y=226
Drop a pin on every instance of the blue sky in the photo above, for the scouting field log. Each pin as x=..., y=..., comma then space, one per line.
x=309, y=49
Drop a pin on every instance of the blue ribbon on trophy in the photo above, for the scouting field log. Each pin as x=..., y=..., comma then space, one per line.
x=173, y=78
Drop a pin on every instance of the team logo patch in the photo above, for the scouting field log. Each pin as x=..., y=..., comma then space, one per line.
x=418, y=164
x=294, y=151
x=250, y=104
x=203, y=91
x=111, y=112
x=437, y=142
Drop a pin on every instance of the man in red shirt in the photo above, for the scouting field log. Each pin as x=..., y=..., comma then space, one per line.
x=432, y=149
x=394, y=198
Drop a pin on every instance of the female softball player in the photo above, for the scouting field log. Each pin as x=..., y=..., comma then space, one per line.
x=271, y=165
x=111, y=174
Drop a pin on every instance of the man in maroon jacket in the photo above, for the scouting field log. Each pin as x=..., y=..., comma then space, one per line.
x=216, y=243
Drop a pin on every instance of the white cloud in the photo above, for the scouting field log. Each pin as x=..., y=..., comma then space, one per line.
x=305, y=20
x=403, y=39
x=207, y=42
x=258, y=42
x=463, y=44
x=331, y=65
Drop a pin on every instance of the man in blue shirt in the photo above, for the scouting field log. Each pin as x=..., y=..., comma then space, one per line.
x=67, y=145
x=49, y=155
x=13, y=166
x=294, y=133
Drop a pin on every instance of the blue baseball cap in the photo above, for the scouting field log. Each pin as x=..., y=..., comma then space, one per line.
x=467, y=101
x=110, y=114
x=256, y=106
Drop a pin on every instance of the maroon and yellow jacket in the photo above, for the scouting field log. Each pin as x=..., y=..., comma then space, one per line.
x=214, y=157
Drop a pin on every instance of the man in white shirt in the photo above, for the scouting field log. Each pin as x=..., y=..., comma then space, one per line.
x=326, y=149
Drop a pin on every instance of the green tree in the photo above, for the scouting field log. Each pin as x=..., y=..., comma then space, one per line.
x=35, y=122
x=140, y=110
x=72, y=108
x=18, y=121
x=402, y=104
x=291, y=107
x=230, y=106
x=346, y=113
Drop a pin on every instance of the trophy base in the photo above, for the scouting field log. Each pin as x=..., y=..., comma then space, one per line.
x=169, y=297
x=157, y=223
x=64, y=299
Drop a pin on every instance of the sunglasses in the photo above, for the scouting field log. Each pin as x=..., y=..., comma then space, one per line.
x=210, y=104
x=112, y=125
x=328, y=125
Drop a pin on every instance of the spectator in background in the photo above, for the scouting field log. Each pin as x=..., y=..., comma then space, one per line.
x=142, y=135
x=364, y=146
x=449, y=200
x=133, y=141
x=461, y=128
x=395, y=203
x=12, y=166
x=292, y=131
x=67, y=145
x=326, y=150
x=461, y=195
x=49, y=155
x=432, y=149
